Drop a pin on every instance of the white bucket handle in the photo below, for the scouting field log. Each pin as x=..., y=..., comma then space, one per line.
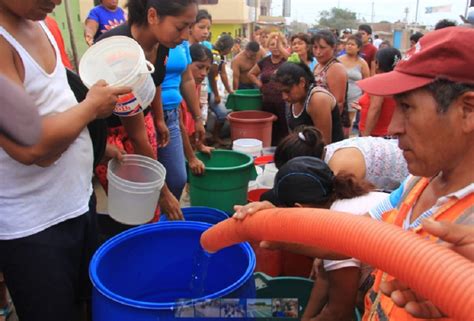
x=150, y=68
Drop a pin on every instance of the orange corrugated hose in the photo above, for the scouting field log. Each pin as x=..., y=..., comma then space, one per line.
x=433, y=271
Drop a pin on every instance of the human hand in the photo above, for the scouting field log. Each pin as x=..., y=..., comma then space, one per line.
x=205, y=149
x=196, y=166
x=162, y=133
x=200, y=132
x=460, y=238
x=317, y=270
x=217, y=99
x=241, y=211
x=112, y=151
x=356, y=105
x=103, y=97
x=170, y=205
x=259, y=84
x=89, y=39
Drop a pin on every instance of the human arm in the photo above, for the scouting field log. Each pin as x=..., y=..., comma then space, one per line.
x=162, y=132
x=213, y=73
x=253, y=76
x=373, y=114
x=136, y=131
x=170, y=205
x=225, y=79
x=460, y=238
x=195, y=165
x=188, y=90
x=281, y=46
x=337, y=83
x=365, y=69
x=320, y=109
x=373, y=68
x=59, y=130
x=319, y=294
x=342, y=294
x=90, y=29
x=235, y=72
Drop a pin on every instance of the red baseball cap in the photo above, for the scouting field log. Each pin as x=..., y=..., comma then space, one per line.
x=445, y=53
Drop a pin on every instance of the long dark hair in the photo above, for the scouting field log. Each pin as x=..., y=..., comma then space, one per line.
x=203, y=14
x=304, y=141
x=304, y=37
x=290, y=73
x=326, y=35
x=200, y=53
x=138, y=9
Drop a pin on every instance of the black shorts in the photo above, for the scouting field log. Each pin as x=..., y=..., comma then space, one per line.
x=47, y=273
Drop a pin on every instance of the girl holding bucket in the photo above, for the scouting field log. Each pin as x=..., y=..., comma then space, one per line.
x=156, y=25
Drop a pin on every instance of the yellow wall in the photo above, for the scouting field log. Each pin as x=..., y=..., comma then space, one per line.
x=218, y=28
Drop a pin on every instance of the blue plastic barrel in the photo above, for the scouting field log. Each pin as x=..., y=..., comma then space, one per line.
x=145, y=273
x=201, y=214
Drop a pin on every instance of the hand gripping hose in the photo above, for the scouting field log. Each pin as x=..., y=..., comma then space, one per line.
x=433, y=271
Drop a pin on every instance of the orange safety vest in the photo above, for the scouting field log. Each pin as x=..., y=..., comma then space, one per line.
x=379, y=307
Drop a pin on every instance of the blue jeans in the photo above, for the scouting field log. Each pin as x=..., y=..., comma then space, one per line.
x=172, y=156
x=219, y=109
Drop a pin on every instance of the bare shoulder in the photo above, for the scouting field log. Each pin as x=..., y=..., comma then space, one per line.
x=10, y=62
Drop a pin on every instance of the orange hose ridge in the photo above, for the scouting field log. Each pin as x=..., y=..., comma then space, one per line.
x=435, y=272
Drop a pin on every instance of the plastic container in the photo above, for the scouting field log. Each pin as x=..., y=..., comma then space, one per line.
x=287, y=287
x=200, y=214
x=284, y=287
x=252, y=124
x=134, y=188
x=265, y=181
x=245, y=99
x=270, y=169
x=120, y=61
x=254, y=195
x=145, y=273
x=249, y=146
x=225, y=181
x=263, y=160
x=269, y=151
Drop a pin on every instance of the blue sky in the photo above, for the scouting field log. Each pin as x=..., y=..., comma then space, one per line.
x=307, y=10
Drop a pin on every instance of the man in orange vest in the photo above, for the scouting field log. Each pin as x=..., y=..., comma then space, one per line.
x=434, y=122
x=433, y=86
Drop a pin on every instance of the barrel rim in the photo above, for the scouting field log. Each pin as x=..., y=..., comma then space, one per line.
x=164, y=225
x=238, y=167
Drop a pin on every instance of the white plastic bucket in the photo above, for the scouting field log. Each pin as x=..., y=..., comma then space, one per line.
x=253, y=184
x=265, y=181
x=134, y=188
x=270, y=169
x=120, y=61
x=249, y=146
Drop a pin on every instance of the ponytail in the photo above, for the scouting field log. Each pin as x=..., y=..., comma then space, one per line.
x=290, y=74
x=304, y=141
x=346, y=186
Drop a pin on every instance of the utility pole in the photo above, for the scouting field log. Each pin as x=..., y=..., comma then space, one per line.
x=468, y=2
x=373, y=13
x=416, y=12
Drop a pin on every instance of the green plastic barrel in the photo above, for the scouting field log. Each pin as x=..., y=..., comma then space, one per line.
x=225, y=181
x=284, y=287
x=245, y=99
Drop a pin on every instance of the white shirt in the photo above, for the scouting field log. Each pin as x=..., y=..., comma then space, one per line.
x=33, y=198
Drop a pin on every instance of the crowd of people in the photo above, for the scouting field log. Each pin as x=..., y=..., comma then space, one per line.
x=414, y=114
